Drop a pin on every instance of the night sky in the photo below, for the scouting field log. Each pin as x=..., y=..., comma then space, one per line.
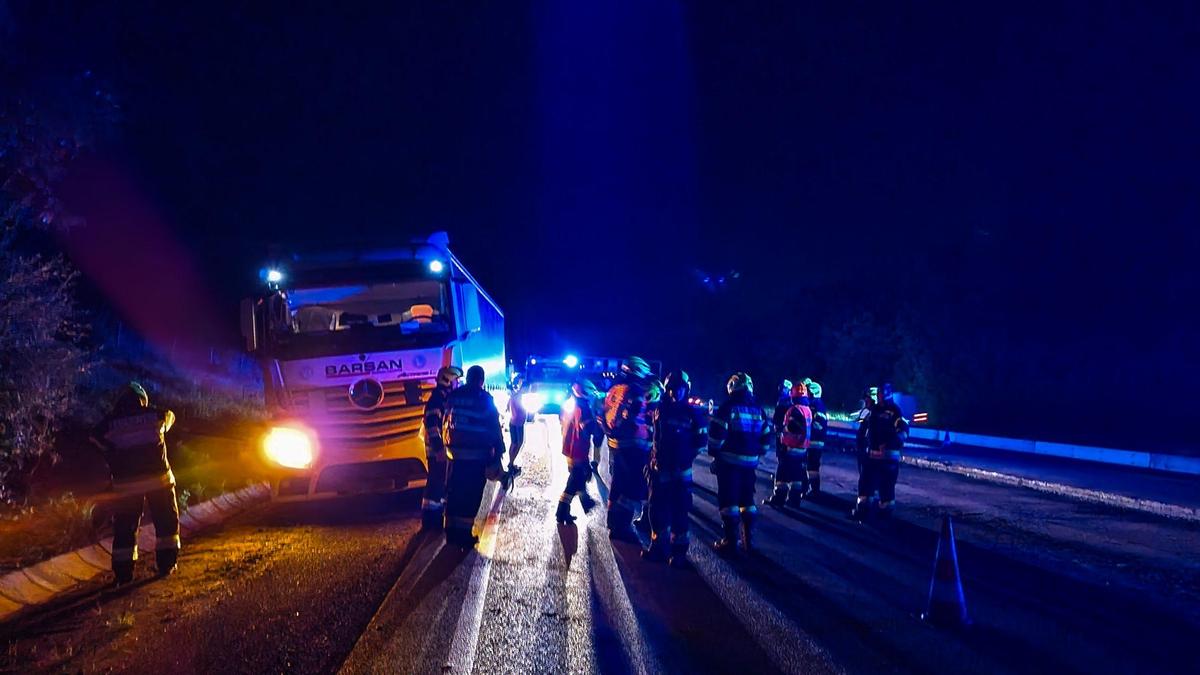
x=593, y=161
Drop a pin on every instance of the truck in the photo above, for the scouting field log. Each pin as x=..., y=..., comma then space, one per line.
x=350, y=343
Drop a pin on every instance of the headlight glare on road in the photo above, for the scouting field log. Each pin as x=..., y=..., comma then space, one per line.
x=288, y=447
x=532, y=401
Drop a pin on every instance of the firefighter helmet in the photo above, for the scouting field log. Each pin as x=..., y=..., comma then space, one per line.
x=678, y=381
x=814, y=388
x=636, y=368
x=585, y=389
x=738, y=382
x=871, y=394
x=448, y=376
x=140, y=392
x=654, y=391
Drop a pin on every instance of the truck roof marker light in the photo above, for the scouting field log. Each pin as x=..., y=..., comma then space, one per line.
x=571, y=361
x=436, y=266
x=533, y=362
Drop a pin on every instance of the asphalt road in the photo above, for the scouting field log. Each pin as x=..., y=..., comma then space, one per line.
x=1053, y=585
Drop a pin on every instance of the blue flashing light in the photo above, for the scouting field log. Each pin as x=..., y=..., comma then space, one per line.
x=436, y=266
x=533, y=362
x=274, y=276
x=571, y=361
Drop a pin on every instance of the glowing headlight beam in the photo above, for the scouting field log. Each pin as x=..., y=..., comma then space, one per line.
x=288, y=447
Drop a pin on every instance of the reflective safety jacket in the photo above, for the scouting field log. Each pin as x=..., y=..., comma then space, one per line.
x=820, y=423
x=860, y=434
x=471, y=426
x=679, y=435
x=887, y=431
x=797, y=425
x=739, y=432
x=435, y=411
x=135, y=447
x=578, y=429
x=625, y=418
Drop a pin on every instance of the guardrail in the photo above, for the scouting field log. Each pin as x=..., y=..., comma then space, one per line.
x=1132, y=458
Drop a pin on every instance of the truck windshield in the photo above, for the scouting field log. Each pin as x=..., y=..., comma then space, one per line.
x=364, y=317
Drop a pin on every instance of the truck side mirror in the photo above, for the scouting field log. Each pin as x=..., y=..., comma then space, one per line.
x=250, y=324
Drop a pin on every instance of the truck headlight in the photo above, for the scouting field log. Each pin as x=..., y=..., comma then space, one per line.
x=533, y=401
x=289, y=447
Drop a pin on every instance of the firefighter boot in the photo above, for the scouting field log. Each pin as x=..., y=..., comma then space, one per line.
x=431, y=519
x=586, y=501
x=619, y=525
x=165, y=561
x=123, y=572
x=563, y=514
x=657, y=551
x=814, y=485
x=861, y=509
x=748, y=518
x=678, y=559
x=779, y=497
x=796, y=495
x=727, y=545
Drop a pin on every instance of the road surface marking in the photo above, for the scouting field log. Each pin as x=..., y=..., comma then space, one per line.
x=793, y=650
x=466, y=634
x=1082, y=494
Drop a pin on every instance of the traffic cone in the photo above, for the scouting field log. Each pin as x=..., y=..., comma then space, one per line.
x=947, y=606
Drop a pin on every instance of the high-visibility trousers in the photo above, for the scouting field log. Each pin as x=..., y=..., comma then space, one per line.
x=465, y=481
x=670, y=505
x=127, y=516
x=879, y=474
x=435, y=482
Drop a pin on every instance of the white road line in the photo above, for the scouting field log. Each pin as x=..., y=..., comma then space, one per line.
x=610, y=591
x=792, y=650
x=1082, y=494
x=466, y=633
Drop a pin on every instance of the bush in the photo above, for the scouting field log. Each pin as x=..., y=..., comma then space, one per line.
x=41, y=363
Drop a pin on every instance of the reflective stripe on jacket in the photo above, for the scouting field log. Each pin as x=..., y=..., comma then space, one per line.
x=471, y=425
x=679, y=435
x=135, y=444
x=739, y=428
x=625, y=418
x=797, y=425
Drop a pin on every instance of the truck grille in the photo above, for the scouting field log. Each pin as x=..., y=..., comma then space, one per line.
x=342, y=424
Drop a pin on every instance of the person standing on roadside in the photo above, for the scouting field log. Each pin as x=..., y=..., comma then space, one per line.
x=474, y=446
x=132, y=438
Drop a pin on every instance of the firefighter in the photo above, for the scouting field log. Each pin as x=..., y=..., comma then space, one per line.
x=474, y=446
x=654, y=394
x=816, y=444
x=781, y=407
x=517, y=416
x=794, y=434
x=432, y=502
x=678, y=436
x=133, y=439
x=887, y=431
x=578, y=429
x=860, y=434
x=625, y=426
x=739, y=433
